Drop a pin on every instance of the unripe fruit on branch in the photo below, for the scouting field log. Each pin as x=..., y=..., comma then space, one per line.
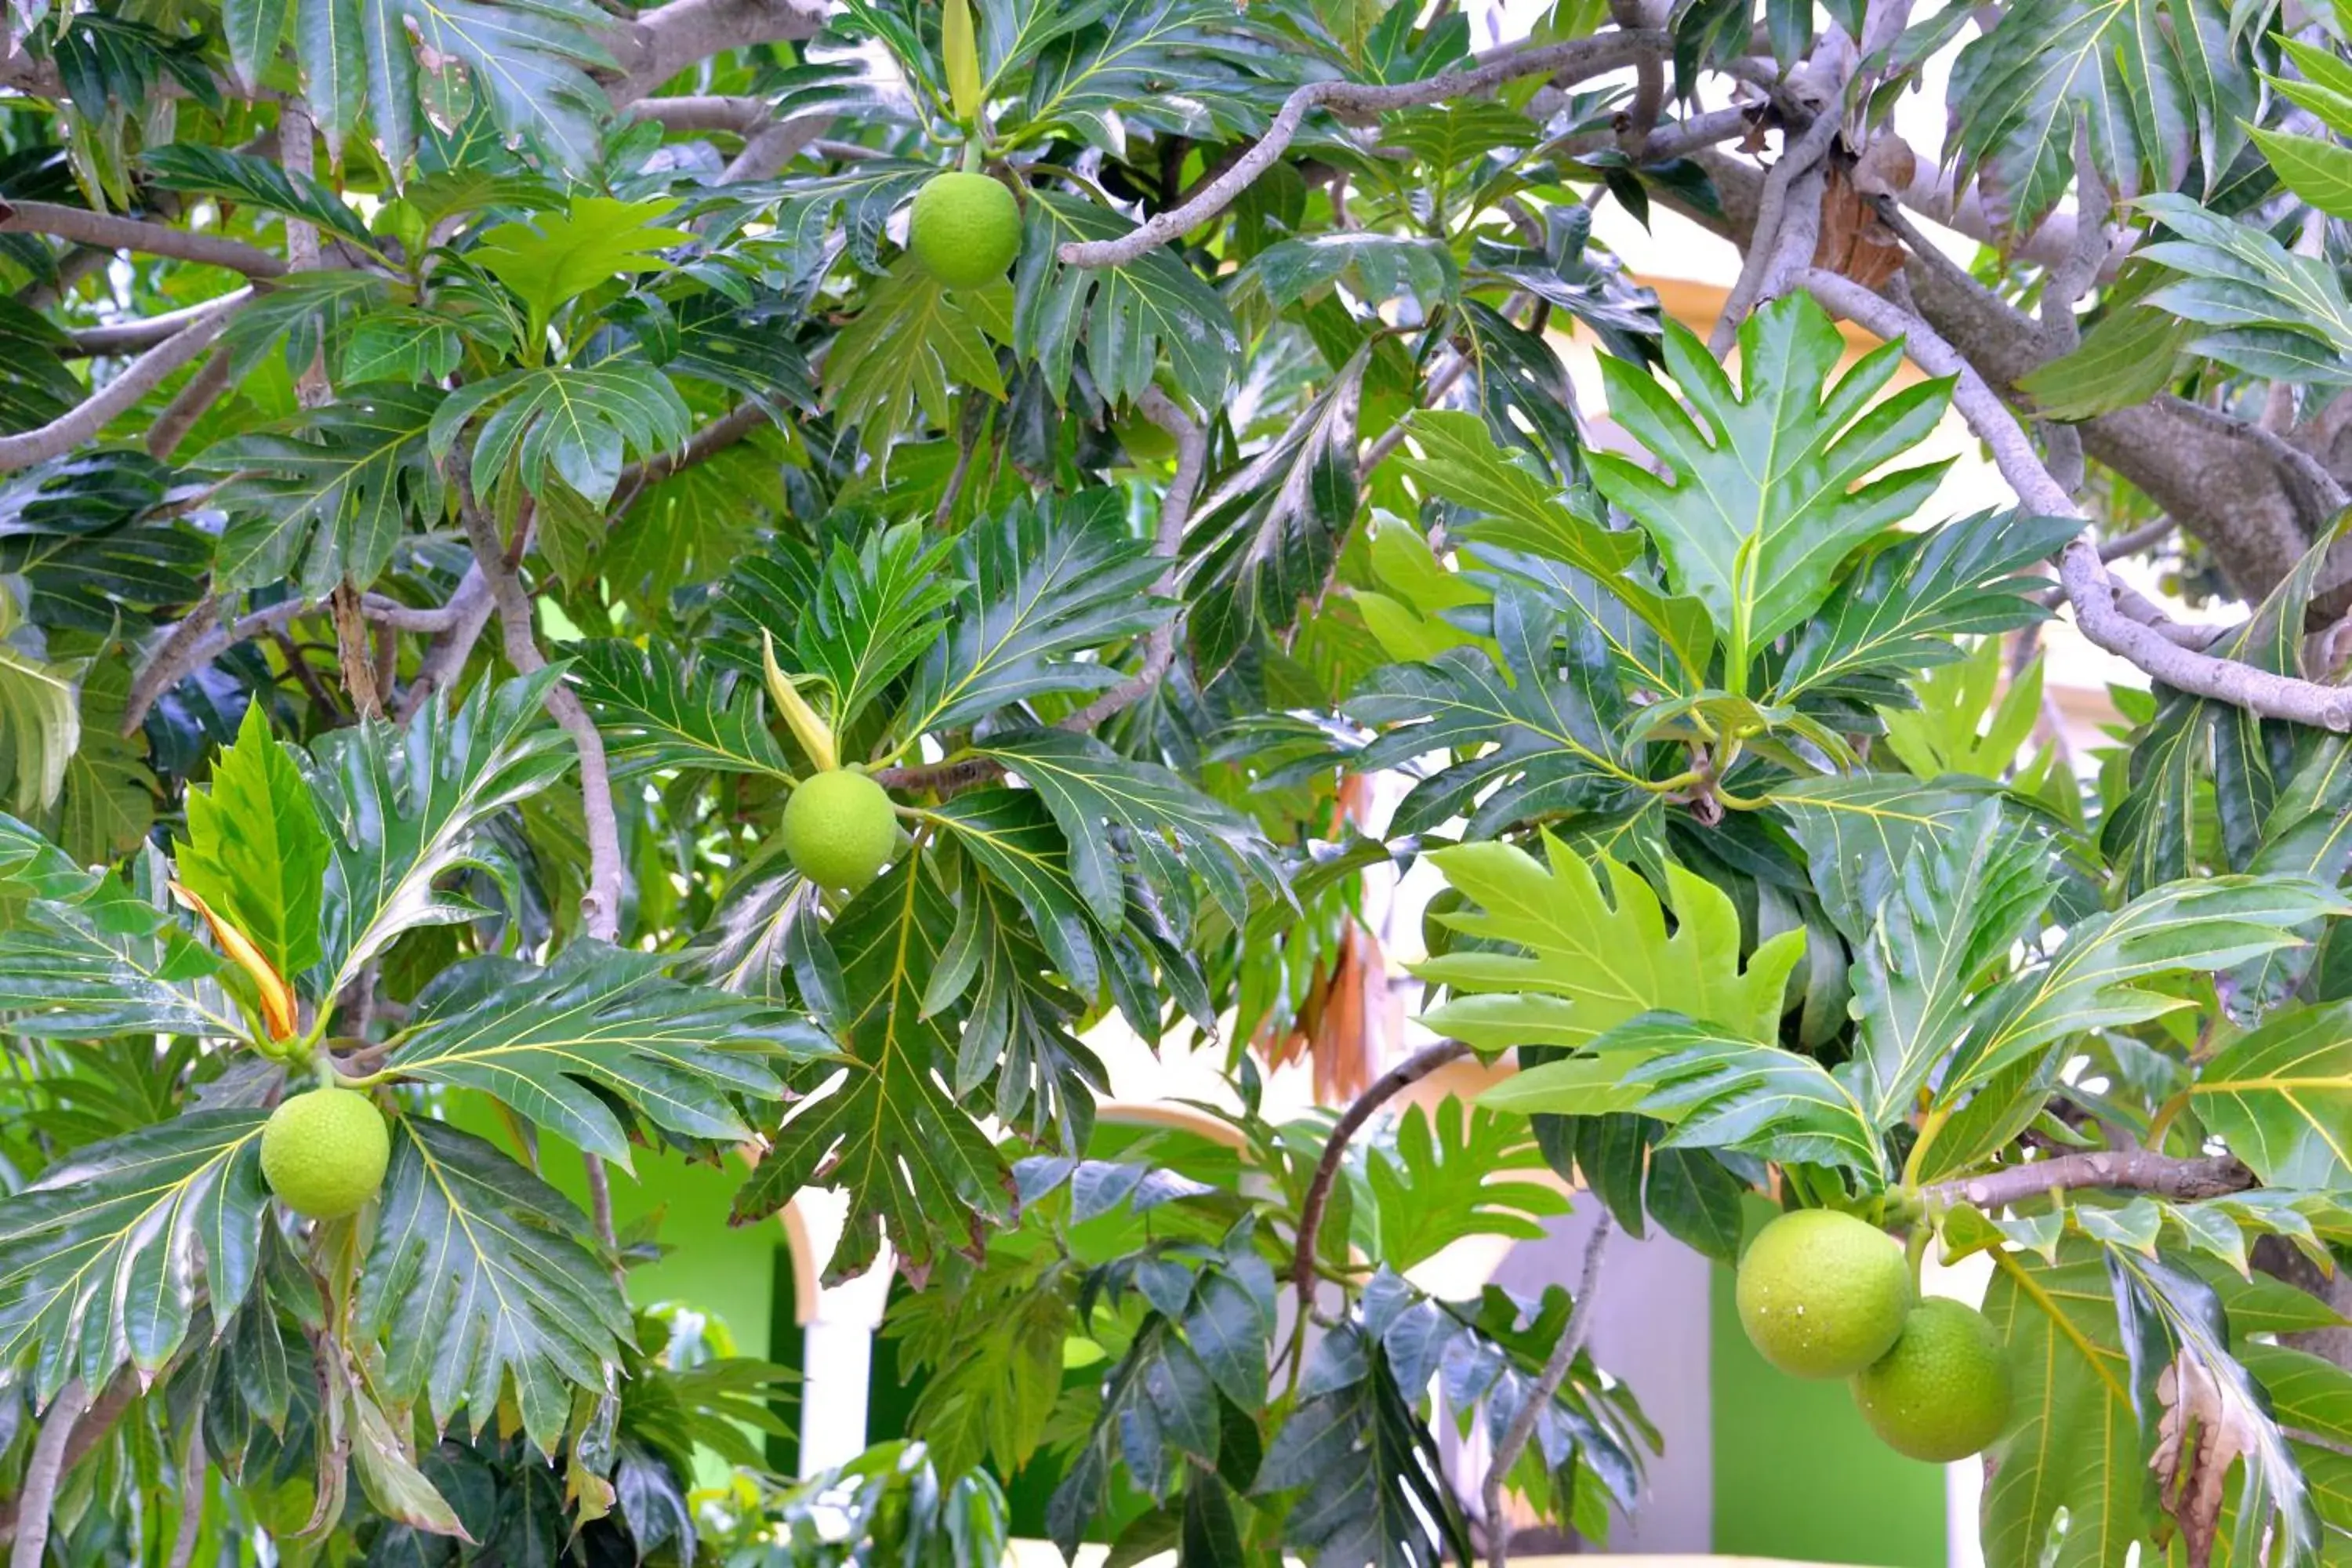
x=965, y=229
x=323, y=1153
x=1943, y=1392
x=839, y=829
x=1822, y=1294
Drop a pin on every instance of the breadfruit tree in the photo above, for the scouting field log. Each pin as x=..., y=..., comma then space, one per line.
x=741, y=578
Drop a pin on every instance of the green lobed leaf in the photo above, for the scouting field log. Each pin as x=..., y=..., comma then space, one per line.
x=654, y=713
x=569, y=421
x=484, y=1286
x=599, y=1024
x=1759, y=544
x=105, y=1259
x=256, y=852
x=2280, y=1097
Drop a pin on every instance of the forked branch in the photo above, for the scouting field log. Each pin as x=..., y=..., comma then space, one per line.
x=2081, y=572
x=1576, y=59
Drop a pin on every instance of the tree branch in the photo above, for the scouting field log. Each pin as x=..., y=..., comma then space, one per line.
x=188, y=404
x=2080, y=570
x=445, y=657
x=1793, y=195
x=660, y=43
x=42, y=1471
x=1385, y=1088
x=2129, y=1170
x=1175, y=512
x=138, y=378
x=739, y=115
x=1576, y=58
x=108, y=232
x=599, y=906
x=1539, y=1397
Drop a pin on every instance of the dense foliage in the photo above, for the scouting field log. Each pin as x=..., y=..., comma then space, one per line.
x=463, y=465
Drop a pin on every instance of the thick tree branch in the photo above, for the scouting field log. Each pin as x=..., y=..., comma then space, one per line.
x=1538, y=1398
x=2080, y=570
x=119, y=396
x=108, y=232
x=739, y=115
x=599, y=906
x=662, y=42
x=1385, y=1088
x=2127, y=1169
x=1576, y=59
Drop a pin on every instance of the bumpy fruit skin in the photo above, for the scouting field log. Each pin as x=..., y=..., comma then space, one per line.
x=839, y=829
x=1943, y=1392
x=965, y=230
x=1822, y=1294
x=323, y=1152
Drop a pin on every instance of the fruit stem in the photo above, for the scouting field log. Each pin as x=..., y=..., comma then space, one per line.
x=974, y=154
x=322, y=1068
x=1915, y=1251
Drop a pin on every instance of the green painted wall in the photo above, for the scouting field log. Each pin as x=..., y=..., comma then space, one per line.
x=1797, y=1474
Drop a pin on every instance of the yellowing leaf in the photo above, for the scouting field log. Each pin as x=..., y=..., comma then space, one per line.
x=279, y=1011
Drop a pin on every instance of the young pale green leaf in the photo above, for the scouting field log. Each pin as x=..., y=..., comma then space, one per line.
x=255, y=851
x=99, y=1257
x=1450, y=1172
x=654, y=713
x=1588, y=962
x=552, y=259
x=484, y=1286
x=1046, y=580
x=600, y=1024
x=1772, y=482
x=408, y=807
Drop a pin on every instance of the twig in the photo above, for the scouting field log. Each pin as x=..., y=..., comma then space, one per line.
x=1539, y=1396
x=108, y=232
x=2129, y=1170
x=195, y=1469
x=1191, y=440
x=1791, y=196
x=138, y=378
x=445, y=657
x=188, y=404
x=1576, y=58
x=134, y=336
x=42, y=1471
x=195, y=643
x=599, y=906
x=1385, y=1088
x=2080, y=571
x=2144, y=537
